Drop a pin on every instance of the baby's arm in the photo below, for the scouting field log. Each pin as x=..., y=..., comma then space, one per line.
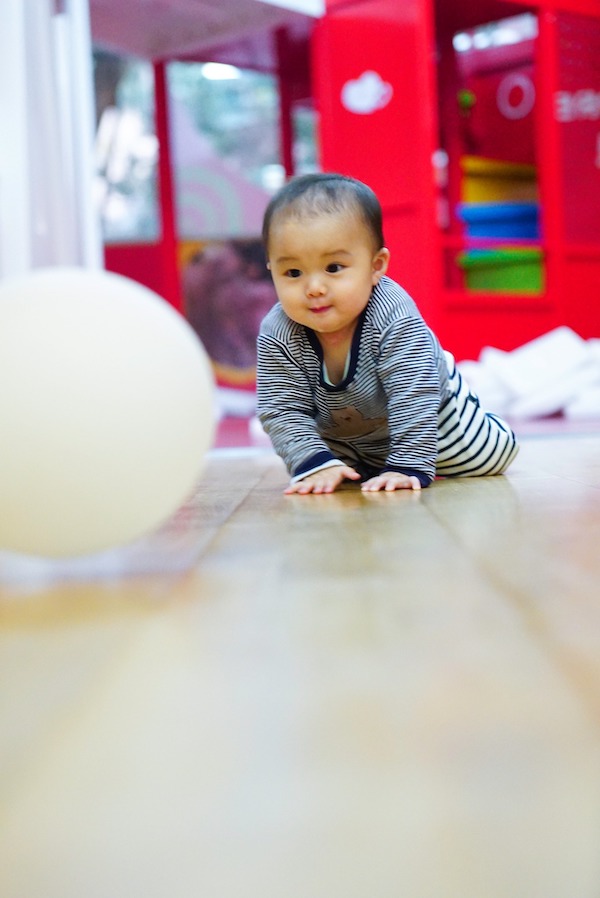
x=409, y=374
x=326, y=480
x=286, y=409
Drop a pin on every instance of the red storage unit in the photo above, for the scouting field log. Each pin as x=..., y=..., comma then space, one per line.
x=414, y=95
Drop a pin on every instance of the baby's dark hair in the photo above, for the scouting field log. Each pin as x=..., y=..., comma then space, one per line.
x=326, y=193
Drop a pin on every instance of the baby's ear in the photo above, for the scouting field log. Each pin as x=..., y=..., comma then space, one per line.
x=381, y=260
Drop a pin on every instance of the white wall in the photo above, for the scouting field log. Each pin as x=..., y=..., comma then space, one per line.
x=46, y=136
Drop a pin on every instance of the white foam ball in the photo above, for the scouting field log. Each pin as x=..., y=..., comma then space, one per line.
x=106, y=411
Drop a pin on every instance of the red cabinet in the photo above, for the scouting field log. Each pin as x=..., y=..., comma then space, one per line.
x=461, y=111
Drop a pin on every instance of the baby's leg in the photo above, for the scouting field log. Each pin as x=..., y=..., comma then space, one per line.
x=471, y=441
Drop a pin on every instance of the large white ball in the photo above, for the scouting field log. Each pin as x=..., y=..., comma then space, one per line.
x=106, y=411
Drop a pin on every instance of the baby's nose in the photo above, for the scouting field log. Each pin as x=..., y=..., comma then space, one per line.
x=315, y=286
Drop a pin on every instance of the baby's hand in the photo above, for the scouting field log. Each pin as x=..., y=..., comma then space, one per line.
x=390, y=481
x=324, y=481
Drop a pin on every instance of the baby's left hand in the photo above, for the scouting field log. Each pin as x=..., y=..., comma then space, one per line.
x=390, y=481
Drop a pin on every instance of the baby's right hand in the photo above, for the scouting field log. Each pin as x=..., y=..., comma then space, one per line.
x=324, y=481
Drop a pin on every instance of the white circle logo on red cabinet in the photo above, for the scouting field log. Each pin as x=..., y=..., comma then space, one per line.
x=366, y=94
x=515, y=95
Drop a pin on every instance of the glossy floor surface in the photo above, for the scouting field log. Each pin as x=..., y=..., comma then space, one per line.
x=346, y=696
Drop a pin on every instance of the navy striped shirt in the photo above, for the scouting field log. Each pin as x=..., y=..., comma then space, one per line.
x=382, y=416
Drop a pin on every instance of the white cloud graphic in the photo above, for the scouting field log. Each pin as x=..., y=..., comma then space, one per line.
x=366, y=94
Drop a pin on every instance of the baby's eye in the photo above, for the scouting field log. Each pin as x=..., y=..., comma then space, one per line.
x=293, y=273
x=334, y=267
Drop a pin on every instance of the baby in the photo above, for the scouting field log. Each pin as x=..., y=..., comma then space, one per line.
x=352, y=384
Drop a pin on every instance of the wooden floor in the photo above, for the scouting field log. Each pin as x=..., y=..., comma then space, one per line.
x=346, y=696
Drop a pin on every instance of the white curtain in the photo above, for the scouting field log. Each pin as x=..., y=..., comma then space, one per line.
x=47, y=124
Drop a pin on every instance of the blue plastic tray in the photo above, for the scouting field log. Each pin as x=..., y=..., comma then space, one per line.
x=501, y=219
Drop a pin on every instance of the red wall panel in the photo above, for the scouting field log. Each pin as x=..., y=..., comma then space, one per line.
x=369, y=98
x=374, y=94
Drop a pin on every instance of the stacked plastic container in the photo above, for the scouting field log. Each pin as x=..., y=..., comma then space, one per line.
x=501, y=203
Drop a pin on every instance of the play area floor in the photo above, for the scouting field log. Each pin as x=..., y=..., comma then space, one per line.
x=344, y=696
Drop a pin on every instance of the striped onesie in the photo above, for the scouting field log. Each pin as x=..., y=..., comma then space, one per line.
x=401, y=406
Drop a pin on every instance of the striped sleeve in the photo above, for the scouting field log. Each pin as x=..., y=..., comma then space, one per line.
x=285, y=406
x=409, y=373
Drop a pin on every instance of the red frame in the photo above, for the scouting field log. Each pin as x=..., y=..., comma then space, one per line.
x=156, y=263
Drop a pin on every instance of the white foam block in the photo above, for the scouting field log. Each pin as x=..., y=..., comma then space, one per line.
x=539, y=364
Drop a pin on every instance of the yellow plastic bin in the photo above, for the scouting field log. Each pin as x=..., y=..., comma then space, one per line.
x=509, y=269
x=492, y=180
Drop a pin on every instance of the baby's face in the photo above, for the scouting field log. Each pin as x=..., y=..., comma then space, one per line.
x=324, y=269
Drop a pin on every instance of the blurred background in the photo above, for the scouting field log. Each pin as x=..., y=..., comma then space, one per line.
x=148, y=137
